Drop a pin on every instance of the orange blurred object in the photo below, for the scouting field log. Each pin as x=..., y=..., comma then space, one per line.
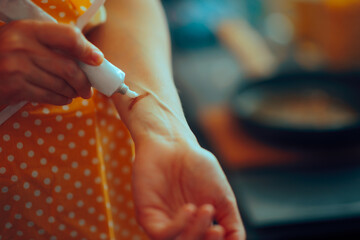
x=235, y=147
x=333, y=26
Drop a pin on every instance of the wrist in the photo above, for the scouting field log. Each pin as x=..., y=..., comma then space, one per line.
x=149, y=118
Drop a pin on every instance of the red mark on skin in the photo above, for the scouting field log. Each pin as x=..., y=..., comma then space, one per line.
x=135, y=100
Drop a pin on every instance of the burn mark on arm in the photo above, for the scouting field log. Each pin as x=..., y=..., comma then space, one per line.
x=135, y=100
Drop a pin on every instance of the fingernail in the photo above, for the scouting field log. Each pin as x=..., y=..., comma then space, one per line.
x=89, y=95
x=97, y=57
x=91, y=92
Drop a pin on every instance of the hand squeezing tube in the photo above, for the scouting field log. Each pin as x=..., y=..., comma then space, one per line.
x=106, y=78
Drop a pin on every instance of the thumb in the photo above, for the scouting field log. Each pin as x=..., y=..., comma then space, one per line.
x=70, y=40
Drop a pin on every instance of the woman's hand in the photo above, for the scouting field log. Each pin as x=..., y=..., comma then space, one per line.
x=179, y=190
x=38, y=62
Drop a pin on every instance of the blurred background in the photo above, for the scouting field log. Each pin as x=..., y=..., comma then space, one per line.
x=272, y=87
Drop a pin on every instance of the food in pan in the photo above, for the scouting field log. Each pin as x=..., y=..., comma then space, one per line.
x=313, y=109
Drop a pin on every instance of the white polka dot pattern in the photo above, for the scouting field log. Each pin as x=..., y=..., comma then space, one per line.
x=67, y=173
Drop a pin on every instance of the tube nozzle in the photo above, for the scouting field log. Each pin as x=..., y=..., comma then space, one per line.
x=126, y=91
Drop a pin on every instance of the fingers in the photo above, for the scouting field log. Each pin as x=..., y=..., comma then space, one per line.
x=35, y=55
x=71, y=77
x=200, y=224
x=228, y=217
x=193, y=224
x=161, y=227
x=70, y=40
x=215, y=232
x=41, y=95
x=230, y=226
x=181, y=220
x=52, y=83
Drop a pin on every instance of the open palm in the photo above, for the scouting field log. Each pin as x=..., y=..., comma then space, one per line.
x=179, y=190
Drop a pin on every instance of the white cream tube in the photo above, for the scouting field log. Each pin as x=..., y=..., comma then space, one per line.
x=106, y=78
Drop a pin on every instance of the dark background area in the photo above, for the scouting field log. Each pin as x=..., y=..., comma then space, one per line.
x=317, y=197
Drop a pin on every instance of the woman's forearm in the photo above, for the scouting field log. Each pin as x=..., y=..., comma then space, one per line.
x=135, y=38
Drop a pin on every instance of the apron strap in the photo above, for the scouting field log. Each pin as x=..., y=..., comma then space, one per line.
x=10, y=110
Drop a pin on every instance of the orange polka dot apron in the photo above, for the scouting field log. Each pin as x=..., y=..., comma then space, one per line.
x=65, y=171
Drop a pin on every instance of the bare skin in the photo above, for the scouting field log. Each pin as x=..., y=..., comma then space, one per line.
x=135, y=100
x=31, y=70
x=178, y=187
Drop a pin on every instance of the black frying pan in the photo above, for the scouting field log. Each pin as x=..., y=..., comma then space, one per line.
x=301, y=109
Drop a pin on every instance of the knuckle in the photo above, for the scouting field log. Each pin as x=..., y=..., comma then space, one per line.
x=71, y=70
x=85, y=84
x=80, y=45
x=14, y=34
x=75, y=77
x=13, y=66
x=12, y=41
x=65, y=90
x=82, y=81
x=76, y=42
x=73, y=35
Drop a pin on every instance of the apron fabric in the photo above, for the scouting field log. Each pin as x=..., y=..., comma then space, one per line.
x=65, y=171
